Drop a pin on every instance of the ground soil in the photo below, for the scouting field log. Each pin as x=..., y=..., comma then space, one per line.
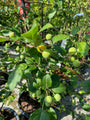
x=28, y=104
x=8, y=115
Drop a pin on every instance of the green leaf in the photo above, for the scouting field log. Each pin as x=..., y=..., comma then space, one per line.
x=60, y=4
x=31, y=81
x=1, y=118
x=32, y=67
x=51, y=15
x=86, y=86
x=35, y=54
x=29, y=60
x=4, y=94
x=22, y=66
x=87, y=117
x=52, y=114
x=3, y=39
x=46, y=81
x=58, y=57
x=32, y=35
x=60, y=50
x=86, y=107
x=59, y=37
x=74, y=81
x=87, y=36
x=27, y=73
x=33, y=31
x=14, y=78
x=59, y=89
x=55, y=80
x=39, y=115
x=47, y=26
x=75, y=30
x=83, y=48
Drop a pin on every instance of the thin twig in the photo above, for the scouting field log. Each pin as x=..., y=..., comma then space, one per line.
x=68, y=68
x=86, y=100
x=72, y=71
x=55, y=107
x=83, y=98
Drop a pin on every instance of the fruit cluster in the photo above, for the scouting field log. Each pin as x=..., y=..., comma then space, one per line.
x=73, y=51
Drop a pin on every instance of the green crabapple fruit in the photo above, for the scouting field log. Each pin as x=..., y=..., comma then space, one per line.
x=17, y=48
x=7, y=45
x=48, y=99
x=11, y=34
x=45, y=53
x=72, y=58
x=33, y=95
x=48, y=36
x=73, y=101
x=78, y=50
x=72, y=50
x=76, y=63
x=81, y=92
x=57, y=97
x=22, y=56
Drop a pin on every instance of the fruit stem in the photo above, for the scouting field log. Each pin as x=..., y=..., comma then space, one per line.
x=55, y=107
x=43, y=105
